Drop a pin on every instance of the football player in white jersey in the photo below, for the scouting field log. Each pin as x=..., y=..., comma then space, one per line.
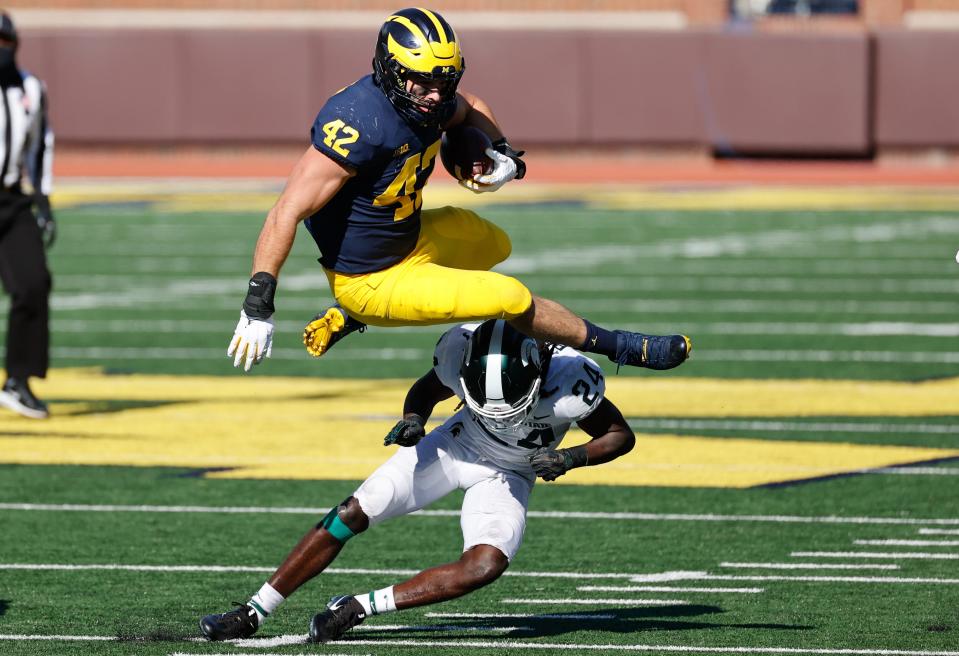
x=519, y=399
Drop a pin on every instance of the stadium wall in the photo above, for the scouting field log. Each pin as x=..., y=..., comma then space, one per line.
x=841, y=93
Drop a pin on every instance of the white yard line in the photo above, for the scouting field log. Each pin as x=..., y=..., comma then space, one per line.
x=132, y=568
x=502, y=646
x=829, y=579
x=909, y=543
x=795, y=285
x=654, y=588
x=824, y=356
x=267, y=643
x=877, y=328
x=624, y=576
x=172, y=353
x=525, y=616
x=806, y=566
x=938, y=531
x=718, y=355
x=540, y=514
x=856, y=308
x=873, y=554
x=599, y=602
x=750, y=266
x=437, y=627
x=788, y=240
x=811, y=426
x=914, y=471
x=56, y=638
x=792, y=285
x=246, y=653
x=212, y=297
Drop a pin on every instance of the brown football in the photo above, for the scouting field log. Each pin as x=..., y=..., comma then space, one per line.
x=463, y=152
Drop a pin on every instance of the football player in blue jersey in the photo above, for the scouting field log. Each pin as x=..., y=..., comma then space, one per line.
x=359, y=190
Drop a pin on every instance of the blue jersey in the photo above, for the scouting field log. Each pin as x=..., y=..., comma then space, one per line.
x=373, y=222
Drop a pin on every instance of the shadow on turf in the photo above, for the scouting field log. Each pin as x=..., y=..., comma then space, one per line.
x=154, y=634
x=623, y=620
x=83, y=407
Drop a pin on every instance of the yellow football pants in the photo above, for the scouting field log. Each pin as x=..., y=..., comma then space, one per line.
x=446, y=279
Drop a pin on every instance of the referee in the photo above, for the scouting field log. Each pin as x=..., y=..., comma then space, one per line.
x=26, y=225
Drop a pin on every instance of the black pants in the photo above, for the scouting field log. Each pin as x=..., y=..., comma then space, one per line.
x=23, y=270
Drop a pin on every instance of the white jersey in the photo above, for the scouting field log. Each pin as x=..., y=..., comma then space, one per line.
x=26, y=140
x=573, y=388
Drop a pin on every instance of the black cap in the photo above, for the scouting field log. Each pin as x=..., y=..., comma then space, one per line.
x=7, y=29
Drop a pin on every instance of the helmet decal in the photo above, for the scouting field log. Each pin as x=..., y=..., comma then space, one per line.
x=501, y=375
x=530, y=353
x=494, y=365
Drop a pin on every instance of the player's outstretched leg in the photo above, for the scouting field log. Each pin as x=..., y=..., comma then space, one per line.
x=478, y=566
x=239, y=623
x=651, y=351
x=341, y=614
x=327, y=328
x=549, y=321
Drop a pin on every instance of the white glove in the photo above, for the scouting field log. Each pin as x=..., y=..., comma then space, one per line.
x=252, y=341
x=504, y=170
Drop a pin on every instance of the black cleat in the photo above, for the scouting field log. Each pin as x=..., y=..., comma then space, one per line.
x=327, y=328
x=239, y=623
x=16, y=396
x=341, y=615
x=651, y=351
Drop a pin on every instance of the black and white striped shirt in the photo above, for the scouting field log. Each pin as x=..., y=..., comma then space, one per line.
x=26, y=140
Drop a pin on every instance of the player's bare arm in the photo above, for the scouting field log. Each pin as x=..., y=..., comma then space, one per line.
x=473, y=110
x=420, y=401
x=314, y=181
x=612, y=438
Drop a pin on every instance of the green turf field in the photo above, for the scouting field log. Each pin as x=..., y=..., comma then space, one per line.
x=821, y=294
x=120, y=560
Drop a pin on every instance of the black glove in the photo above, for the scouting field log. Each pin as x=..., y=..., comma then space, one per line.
x=502, y=146
x=259, y=296
x=45, y=221
x=407, y=432
x=550, y=464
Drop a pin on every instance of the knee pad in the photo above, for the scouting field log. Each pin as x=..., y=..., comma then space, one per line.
x=336, y=526
x=378, y=493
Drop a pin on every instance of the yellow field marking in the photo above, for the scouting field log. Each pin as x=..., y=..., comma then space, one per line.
x=677, y=461
x=611, y=196
x=657, y=460
x=641, y=396
x=317, y=428
x=705, y=397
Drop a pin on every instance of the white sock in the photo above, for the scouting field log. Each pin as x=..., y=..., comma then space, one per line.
x=265, y=601
x=378, y=602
